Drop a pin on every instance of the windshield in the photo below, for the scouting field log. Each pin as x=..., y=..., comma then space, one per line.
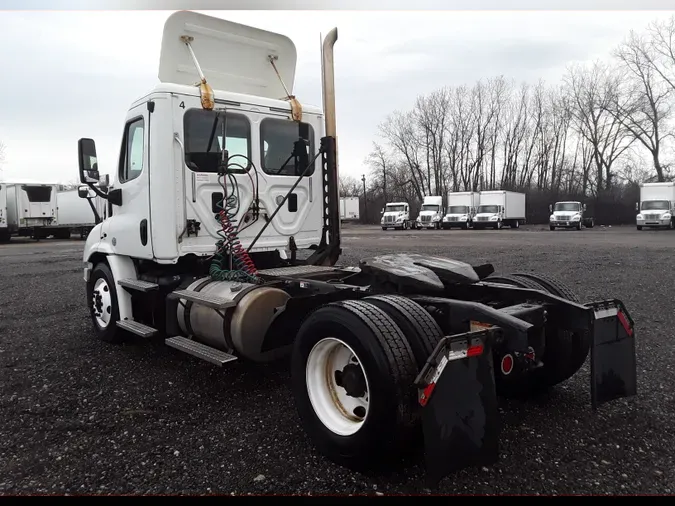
x=657, y=205
x=566, y=206
x=458, y=209
x=488, y=209
x=430, y=207
x=394, y=209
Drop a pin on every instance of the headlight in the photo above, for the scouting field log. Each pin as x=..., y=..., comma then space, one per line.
x=463, y=218
x=493, y=218
x=399, y=219
x=666, y=216
x=436, y=218
x=551, y=218
x=639, y=217
x=576, y=217
x=445, y=218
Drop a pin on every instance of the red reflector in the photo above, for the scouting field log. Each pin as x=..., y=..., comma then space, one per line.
x=624, y=322
x=507, y=364
x=474, y=351
x=427, y=393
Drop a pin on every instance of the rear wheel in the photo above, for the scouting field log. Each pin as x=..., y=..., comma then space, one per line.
x=419, y=328
x=352, y=373
x=515, y=224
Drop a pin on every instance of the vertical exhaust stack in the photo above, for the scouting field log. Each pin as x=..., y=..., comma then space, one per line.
x=328, y=81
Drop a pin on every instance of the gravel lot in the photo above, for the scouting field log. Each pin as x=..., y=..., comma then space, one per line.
x=81, y=416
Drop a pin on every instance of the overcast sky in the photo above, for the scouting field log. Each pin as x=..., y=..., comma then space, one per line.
x=67, y=75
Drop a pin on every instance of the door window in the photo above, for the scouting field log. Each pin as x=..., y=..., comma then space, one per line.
x=131, y=164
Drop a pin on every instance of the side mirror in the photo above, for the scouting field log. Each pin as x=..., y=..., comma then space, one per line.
x=83, y=192
x=86, y=149
x=584, y=207
x=637, y=206
x=550, y=208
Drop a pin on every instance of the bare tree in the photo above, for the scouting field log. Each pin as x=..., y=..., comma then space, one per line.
x=661, y=58
x=379, y=162
x=643, y=104
x=349, y=186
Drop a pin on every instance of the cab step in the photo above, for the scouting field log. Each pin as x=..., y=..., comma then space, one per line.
x=137, y=328
x=204, y=299
x=138, y=284
x=200, y=350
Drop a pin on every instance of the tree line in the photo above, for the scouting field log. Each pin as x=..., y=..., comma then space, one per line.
x=594, y=136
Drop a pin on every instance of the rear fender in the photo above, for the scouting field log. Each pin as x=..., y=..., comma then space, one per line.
x=460, y=419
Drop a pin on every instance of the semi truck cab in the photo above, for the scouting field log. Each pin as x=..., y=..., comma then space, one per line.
x=431, y=213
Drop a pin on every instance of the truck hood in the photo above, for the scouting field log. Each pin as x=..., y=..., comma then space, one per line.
x=558, y=214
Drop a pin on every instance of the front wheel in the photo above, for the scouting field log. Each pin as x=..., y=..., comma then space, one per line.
x=671, y=225
x=639, y=227
x=103, y=306
x=352, y=373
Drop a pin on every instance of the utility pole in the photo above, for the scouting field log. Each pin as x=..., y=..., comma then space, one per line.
x=365, y=202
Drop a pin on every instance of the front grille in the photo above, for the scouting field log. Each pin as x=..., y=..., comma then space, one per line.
x=426, y=218
x=482, y=218
x=389, y=219
x=453, y=218
x=564, y=217
x=652, y=216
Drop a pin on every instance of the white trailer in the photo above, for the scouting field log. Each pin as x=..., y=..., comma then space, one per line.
x=499, y=208
x=31, y=207
x=349, y=209
x=461, y=209
x=656, y=208
x=396, y=215
x=4, y=228
x=431, y=213
x=75, y=214
x=217, y=193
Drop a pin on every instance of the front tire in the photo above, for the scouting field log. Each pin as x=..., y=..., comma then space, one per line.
x=103, y=306
x=352, y=374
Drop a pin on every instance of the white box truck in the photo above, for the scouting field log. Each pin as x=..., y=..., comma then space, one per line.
x=461, y=210
x=500, y=208
x=657, y=205
x=31, y=207
x=431, y=213
x=4, y=228
x=396, y=215
x=349, y=209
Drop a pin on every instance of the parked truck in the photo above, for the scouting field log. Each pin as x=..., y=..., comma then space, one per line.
x=500, y=208
x=75, y=214
x=431, y=213
x=349, y=209
x=31, y=208
x=4, y=228
x=201, y=254
x=656, y=208
x=569, y=214
x=396, y=215
x=461, y=210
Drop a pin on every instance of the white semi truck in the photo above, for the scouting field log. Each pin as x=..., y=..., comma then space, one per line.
x=656, y=208
x=220, y=185
x=461, y=209
x=431, y=213
x=5, y=234
x=349, y=209
x=396, y=215
x=31, y=207
x=500, y=208
x=569, y=214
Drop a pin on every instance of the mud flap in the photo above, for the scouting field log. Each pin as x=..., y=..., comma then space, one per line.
x=613, y=364
x=460, y=419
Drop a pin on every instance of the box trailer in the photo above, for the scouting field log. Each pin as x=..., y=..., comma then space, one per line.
x=656, y=208
x=349, y=209
x=461, y=209
x=74, y=214
x=31, y=207
x=384, y=354
x=499, y=208
x=4, y=228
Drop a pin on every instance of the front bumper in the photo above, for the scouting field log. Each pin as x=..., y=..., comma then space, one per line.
x=564, y=224
x=653, y=223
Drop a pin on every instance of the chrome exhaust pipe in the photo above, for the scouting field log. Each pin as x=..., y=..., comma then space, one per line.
x=328, y=82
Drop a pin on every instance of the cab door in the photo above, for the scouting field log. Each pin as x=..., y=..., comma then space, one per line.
x=128, y=229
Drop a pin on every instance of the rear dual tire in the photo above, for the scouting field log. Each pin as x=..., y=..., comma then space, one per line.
x=353, y=368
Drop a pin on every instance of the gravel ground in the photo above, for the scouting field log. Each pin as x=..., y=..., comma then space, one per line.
x=80, y=416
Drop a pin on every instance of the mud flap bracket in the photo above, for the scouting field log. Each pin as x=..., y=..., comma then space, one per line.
x=460, y=419
x=613, y=363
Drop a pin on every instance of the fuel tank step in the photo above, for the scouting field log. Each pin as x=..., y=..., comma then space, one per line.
x=200, y=350
x=137, y=328
x=138, y=285
x=204, y=299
